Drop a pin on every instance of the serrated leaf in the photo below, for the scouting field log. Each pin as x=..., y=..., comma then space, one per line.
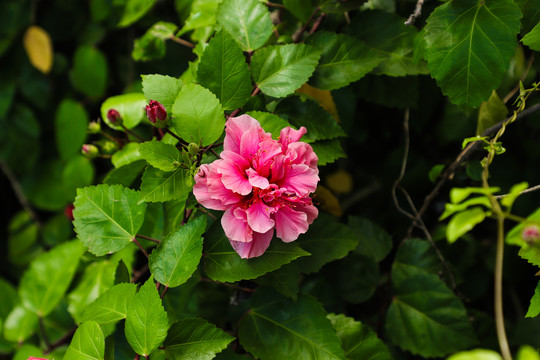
x=195, y=339
x=146, y=320
x=269, y=122
x=125, y=175
x=111, y=306
x=71, y=121
x=151, y=45
x=178, y=254
x=490, y=113
x=202, y=19
x=130, y=106
x=89, y=73
x=78, y=172
x=20, y=324
x=222, y=263
x=534, y=307
x=198, y=115
x=358, y=341
x=162, y=156
x=223, y=71
x=38, y=46
x=328, y=151
x=414, y=256
x=45, y=282
x=161, y=88
x=107, y=217
x=344, y=59
x=463, y=222
x=469, y=45
x=532, y=38
x=247, y=20
x=323, y=97
x=134, y=10
x=374, y=241
x=281, y=69
x=159, y=186
x=278, y=328
x=301, y=9
x=88, y=342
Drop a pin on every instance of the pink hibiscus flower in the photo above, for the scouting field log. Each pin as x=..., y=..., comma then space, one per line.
x=262, y=184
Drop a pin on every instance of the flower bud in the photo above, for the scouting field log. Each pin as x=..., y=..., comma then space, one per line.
x=531, y=234
x=68, y=211
x=156, y=114
x=114, y=117
x=193, y=149
x=94, y=127
x=90, y=151
x=108, y=147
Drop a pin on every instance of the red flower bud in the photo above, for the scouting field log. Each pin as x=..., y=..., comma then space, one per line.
x=531, y=234
x=114, y=117
x=90, y=151
x=68, y=212
x=156, y=111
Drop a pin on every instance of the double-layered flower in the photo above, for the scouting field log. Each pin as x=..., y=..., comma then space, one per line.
x=262, y=184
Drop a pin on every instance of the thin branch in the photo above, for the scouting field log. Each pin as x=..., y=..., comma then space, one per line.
x=403, y=166
x=43, y=332
x=128, y=131
x=148, y=238
x=140, y=247
x=317, y=23
x=138, y=273
x=416, y=13
x=270, y=4
x=182, y=141
x=164, y=292
x=298, y=35
x=63, y=340
x=182, y=42
x=529, y=190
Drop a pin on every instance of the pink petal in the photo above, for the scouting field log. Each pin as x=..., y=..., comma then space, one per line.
x=255, y=248
x=234, y=177
x=235, y=128
x=201, y=189
x=257, y=180
x=312, y=212
x=302, y=153
x=234, y=222
x=249, y=143
x=278, y=168
x=301, y=179
x=290, y=223
x=289, y=135
x=258, y=217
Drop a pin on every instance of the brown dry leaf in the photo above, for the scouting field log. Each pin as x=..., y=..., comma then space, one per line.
x=340, y=182
x=323, y=97
x=328, y=201
x=38, y=46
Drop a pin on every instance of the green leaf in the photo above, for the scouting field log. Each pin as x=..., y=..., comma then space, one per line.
x=457, y=195
x=374, y=241
x=22, y=237
x=451, y=208
x=146, y=320
x=9, y=299
x=476, y=354
x=464, y=222
x=414, y=256
x=151, y=45
x=45, y=189
x=222, y=263
x=125, y=175
x=71, y=121
x=527, y=352
x=301, y=9
x=427, y=319
x=469, y=45
x=531, y=253
x=174, y=213
x=202, y=19
x=198, y=115
x=281, y=69
x=532, y=39
x=128, y=154
x=358, y=340
x=247, y=20
x=107, y=217
x=161, y=88
x=326, y=240
x=515, y=191
x=328, y=151
x=111, y=306
x=357, y=278
x=89, y=73
x=20, y=324
x=490, y=113
x=163, y=156
x=88, y=343
x=278, y=328
x=27, y=350
x=344, y=60
x=78, y=172
x=45, y=282
x=285, y=280
x=269, y=122
x=178, y=254
x=534, y=307
x=159, y=186
x=223, y=71
x=531, y=14
x=134, y=10
x=195, y=338
x=130, y=106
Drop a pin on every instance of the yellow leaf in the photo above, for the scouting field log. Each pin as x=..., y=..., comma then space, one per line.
x=340, y=182
x=323, y=97
x=328, y=201
x=38, y=46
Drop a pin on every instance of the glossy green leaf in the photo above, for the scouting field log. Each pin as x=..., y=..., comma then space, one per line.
x=278, y=328
x=174, y=213
x=78, y=172
x=107, y=217
x=45, y=282
x=247, y=20
x=158, y=186
x=195, y=339
x=279, y=70
x=89, y=73
x=202, y=19
x=476, y=354
x=374, y=241
x=20, y=324
x=285, y=280
x=165, y=157
x=269, y=122
x=457, y=195
x=534, y=307
x=222, y=263
x=344, y=59
x=178, y=254
x=88, y=342
x=328, y=151
x=223, y=71
x=134, y=10
x=490, y=113
x=146, y=320
x=126, y=155
x=161, y=88
x=463, y=222
x=326, y=240
x=71, y=121
x=451, y=208
x=198, y=115
x=358, y=340
x=427, y=319
x=532, y=39
x=514, y=192
x=414, y=256
x=469, y=45
x=111, y=306
x=130, y=106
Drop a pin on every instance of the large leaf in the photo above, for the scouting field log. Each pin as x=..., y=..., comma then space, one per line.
x=112, y=305
x=223, y=70
x=88, y=342
x=198, y=115
x=222, y=263
x=358, y=340
x=159, y=186
x=532, y=39
x=414, y=256
x=374, y=240
x=20, y=324
x=328, y=151
x=195, y=339
x=178, y=254
x=89, y=73
x=278, y=328
x=45, y=282
x=128, y=154
x=146, y=320
x=161, y=88
x=163, y=156
x=129, y=106
x=469, y=44
x=107, y=217
x=71, y=121
x=134, y=10
x=247, y=20
x=281, y=69
x=344, y=59
x=285, y=280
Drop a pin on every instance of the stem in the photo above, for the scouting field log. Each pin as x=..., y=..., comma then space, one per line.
x=63, y=340
x=43, y=333
x=164, y=292
x=112, y=138
x=128, y=131
x=148, y=238
x=229, y=285
x=298, y=36
x=182, y=42
x=499, y=317
x=182, y=141
x=140, y=247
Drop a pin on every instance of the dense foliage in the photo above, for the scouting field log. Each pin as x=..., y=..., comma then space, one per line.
x=424, y=120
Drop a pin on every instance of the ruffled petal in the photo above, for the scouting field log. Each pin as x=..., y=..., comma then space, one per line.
x=254, y=248
x=301, y=179
x=289, y=135
x=302, y=153
x=234, y=177
x=257, y=180
x=203, y=179
x=258, y=217
x=235, y=128
x=290, y=223
x=235, y=225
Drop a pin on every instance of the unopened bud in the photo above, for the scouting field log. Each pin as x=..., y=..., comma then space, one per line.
x=68, y=211
x=156, y=114
x=94, y=127
x=108, y=147
x=193, y=149
x=114, y=117
x=531, y=234
x=90, y=151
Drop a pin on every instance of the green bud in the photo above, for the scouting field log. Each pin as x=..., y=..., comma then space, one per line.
x=193, y=149
x=90, y=151
x=94, y=127
x=107, y=146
